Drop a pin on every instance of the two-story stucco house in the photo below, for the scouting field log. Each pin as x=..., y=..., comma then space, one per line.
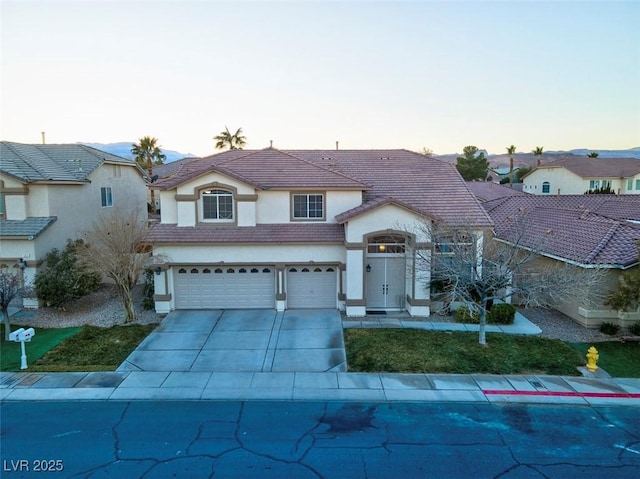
x=51, y=193
x=576, y=175
x=304, y=229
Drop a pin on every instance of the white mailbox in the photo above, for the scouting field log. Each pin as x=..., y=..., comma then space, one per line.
x=15, y=334
x=21, y=336
x=26, y=335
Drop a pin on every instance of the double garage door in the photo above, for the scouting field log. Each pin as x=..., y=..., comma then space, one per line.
x=225, y=287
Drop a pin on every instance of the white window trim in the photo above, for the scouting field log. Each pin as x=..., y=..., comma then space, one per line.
x=106, y=196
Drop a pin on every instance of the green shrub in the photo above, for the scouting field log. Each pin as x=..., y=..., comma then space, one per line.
x=65, y=279
x=498, y=314
x=609, y=328
x=635, y=328
x=465, y=315
x=502, y=313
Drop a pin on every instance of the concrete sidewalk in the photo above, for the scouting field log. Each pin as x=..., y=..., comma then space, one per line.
x=310, y=386
x=209, y=355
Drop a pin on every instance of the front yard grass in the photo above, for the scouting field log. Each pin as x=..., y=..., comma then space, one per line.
x=44, y=340
x=620, y=360
x=91, y=349
x=416, y=351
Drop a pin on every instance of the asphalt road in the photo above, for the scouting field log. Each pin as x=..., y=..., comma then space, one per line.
x=230, y=439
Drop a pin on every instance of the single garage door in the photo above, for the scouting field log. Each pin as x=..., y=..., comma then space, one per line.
x=312, y=287
x=225, y=288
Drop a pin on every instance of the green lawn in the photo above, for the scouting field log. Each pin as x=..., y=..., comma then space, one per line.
x=88, y=348
x=416, y=351
x=43, y=341
x=94, y=349
x=620, y=360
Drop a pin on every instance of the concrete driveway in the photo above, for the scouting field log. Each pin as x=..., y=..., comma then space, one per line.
x=243, y=340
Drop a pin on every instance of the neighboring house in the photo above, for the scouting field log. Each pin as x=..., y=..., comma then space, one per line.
x=576, y=175
x=50, y=193
x=304, y=229
x=587, y=231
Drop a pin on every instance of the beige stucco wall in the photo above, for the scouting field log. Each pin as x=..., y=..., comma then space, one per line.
x=569, y=183
x=592, y=313
x=76, y=207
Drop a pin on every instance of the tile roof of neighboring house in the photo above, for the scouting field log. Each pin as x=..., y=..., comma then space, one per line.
x=262, y=233
x=30, y=163
x=585, y=229
x=423, y=184
x=486, y=191
x=586, y=167
x=30, y=227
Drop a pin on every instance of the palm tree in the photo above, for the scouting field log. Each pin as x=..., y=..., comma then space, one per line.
x=147, y=153
x=593, y=154
x=511, y=150
x=226, y=139
x=537, y=151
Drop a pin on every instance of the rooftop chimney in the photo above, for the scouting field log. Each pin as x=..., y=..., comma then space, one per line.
x=337, y=145
x=270, y=143
x=42, y=133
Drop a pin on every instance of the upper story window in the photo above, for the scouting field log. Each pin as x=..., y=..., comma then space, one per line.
x=637, y=184
x=546, y=187
x=629, y=185
x=217, y=205
x=106, y=196
x=309, y=206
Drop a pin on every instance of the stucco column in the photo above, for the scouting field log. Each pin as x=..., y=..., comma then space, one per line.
x=355, y=304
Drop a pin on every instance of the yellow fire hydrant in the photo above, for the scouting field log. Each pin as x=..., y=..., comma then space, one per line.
x=592, y=359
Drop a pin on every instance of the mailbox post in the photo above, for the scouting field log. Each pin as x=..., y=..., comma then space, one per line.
x=23, y=336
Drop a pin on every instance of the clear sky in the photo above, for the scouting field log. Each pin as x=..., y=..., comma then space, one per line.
x=435, y=74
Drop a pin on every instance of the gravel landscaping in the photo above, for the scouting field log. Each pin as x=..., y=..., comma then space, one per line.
x=103, y=308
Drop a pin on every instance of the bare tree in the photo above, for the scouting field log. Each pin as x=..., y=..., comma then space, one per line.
x=115, y=248
x=472, y=267
x=11, y=285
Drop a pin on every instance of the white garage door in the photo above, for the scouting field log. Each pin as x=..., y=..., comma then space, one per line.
x=231, y=287
x=311, y=287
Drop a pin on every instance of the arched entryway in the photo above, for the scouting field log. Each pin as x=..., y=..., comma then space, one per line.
x=385, y=273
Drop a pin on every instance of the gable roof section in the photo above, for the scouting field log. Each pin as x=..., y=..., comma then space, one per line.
x=263, y=169
x=578, y=228
x=428, y=186
x=72, y=163
x=29, y=228
x=377, y=202
x=586, y=167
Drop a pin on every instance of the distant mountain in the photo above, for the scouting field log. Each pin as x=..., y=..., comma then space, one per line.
x=630, y=153
x=123, y=149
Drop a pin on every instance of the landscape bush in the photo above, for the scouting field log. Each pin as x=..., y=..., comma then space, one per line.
x=609, y=328
x=65, y=279
x=498, y=314
x=635, y=328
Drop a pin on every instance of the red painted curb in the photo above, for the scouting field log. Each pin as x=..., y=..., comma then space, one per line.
x=561, y=394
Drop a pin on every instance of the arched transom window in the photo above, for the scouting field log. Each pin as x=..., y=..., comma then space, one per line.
x=217, y=205
x=386, y=244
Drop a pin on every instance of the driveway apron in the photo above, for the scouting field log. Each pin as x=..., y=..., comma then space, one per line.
x=243, y=340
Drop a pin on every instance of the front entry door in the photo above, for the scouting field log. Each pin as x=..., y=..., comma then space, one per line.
x=385, y=282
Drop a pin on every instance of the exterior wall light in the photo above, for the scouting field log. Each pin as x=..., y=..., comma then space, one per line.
x=368, y=268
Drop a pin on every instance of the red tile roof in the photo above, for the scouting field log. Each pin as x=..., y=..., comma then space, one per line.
x=585, y=229
x=263, y=233
x=487, y=191
x=426, y=185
